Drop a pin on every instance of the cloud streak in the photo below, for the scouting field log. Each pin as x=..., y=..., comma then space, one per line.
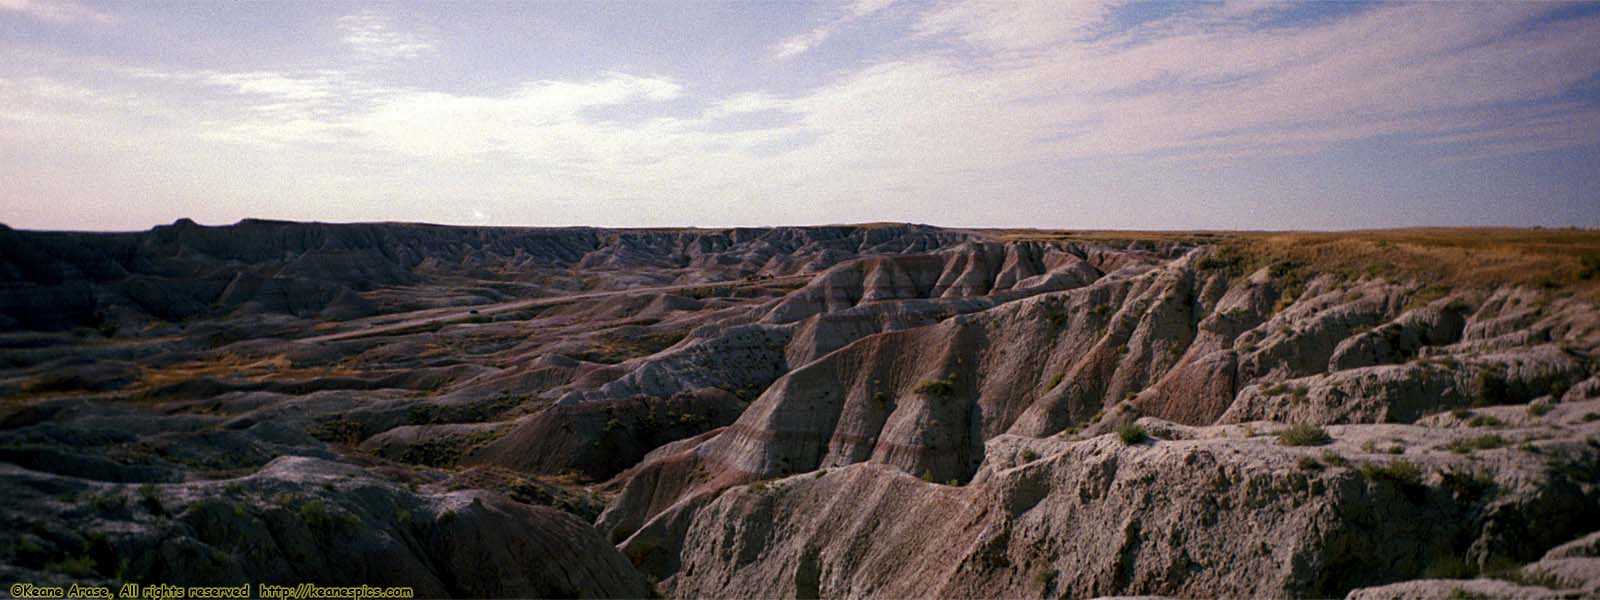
x=374, y=35
x=61, y=11
x=801, y=43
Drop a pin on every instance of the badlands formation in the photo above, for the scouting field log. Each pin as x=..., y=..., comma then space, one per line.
x=854, y=411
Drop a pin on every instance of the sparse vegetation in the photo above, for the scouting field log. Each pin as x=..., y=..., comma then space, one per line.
x=619, y=346
x=1304, y=434
x=339, y=430
x=445, y=451
x=1482, y=442
x=1028, y=455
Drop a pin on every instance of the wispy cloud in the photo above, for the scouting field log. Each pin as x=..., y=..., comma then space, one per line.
x=801, y=43
x=55, y=10
x=374, y=35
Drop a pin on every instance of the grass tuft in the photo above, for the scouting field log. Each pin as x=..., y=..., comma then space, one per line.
x=1304, y=434
x=1132, y=433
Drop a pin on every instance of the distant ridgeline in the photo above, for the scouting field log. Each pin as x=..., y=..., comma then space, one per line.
x=65, y=280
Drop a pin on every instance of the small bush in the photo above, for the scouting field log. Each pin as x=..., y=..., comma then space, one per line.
x=1451, y=567
x=1482, y=442
x=150, y=497
x=82, y=566
x=1539, y=409
x=1058, y=317
x=1045, y=579
x=1335, y=459
x=1467, y=486
x=1589, y=267
x=1490, y=387
x=1132, y=433
x=1029, y=455
x=939, y=388
x=1484, y=421
x=1311, y=464
x=1304, y=434
x=1400, y=471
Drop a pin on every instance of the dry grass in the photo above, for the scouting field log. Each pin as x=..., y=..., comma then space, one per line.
x=1566, y=260
x=236, y=368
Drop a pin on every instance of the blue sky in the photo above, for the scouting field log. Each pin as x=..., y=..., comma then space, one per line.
x=1253, y=114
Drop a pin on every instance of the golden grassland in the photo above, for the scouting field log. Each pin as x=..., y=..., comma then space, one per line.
x=237, y=368
x=1565, y=260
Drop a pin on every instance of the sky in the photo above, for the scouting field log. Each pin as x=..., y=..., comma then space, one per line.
x=1069, y=114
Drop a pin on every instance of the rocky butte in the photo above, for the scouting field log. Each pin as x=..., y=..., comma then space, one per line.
x=878, y=410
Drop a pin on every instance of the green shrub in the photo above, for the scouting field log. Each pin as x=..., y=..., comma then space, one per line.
x=1484, y=421
x=82, y=566
x=1132, y=433
x=1490, y=387
x=1482, y=442
x=1058, y=317
x=1028, y=455
x=150, y=497
x=939, y=388
x=1589, y=267
x=315, y=514
x=1335, y=459
x=1467, y=486
x=1401, y=471
x=1451, y=567
x=1304, y=434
